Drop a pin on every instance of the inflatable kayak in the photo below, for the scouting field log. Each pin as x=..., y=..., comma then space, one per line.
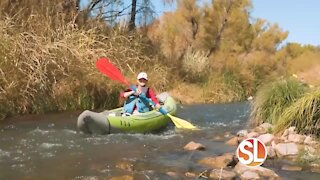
x=114, y=121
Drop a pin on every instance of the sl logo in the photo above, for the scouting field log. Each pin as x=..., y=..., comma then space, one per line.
x=252, y=152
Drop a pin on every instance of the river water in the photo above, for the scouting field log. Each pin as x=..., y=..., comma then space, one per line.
x=49, y=147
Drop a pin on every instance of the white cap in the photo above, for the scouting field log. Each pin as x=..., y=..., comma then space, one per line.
x=142, y=75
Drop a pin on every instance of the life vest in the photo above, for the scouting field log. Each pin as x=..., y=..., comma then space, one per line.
x=133, y=100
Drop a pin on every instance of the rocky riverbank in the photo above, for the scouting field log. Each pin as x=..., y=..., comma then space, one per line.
x=301, y=150
x=297, y=148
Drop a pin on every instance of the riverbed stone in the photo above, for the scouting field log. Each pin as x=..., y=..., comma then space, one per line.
x=249, y=175
x=218, y=138
x=277, y=140
x=315, y=168
x=227, y=135
x=125, y=177
x=296, y=138
x=219, y=161
x=310, y=150
x=271, y=152
x=292, y=130
x=190, y=174
x=253, y=134
x=285, y=133
x=125, y=165
x=267, y=126
x=242, y=133
x=291, y=168
x=262, y=171
x=191, y=146
x=260, y=130
x=286, y=149
x=284, y=138
x=266, y=138
x=222, y=174
x=310, y=141
x=233, y=141
x=173, y=175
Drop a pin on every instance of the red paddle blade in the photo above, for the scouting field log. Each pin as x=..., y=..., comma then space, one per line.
x=110, y=70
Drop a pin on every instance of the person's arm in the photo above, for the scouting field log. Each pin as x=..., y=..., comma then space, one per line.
x=153, y=97
x=129, y=92
x=126, y=93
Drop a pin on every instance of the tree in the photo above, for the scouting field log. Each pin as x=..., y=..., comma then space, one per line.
x=178, y=30
x=132, y=24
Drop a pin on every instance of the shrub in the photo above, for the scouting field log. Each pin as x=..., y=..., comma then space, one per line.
x=304, y=114
x=272, y=99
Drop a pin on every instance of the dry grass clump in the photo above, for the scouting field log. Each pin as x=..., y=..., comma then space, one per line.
x=195, y=64
x=55, y=69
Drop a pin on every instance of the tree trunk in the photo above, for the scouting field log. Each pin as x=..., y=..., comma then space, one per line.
x=78, y=5
x=223, y=25
x=132, y=24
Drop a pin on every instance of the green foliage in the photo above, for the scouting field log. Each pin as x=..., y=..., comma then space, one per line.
x=225, y=88
x=304, y=114
x=272, y=99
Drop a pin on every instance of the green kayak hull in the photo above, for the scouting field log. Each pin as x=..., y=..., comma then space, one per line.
x=112, y=121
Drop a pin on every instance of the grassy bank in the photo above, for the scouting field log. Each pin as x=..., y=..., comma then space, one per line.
x=273, y=98
x=287, y=103
x=304, y=114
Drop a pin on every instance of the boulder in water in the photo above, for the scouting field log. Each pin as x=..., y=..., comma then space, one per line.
x=266, y=138
x=250, y=175
x=191, y=146
x=218, y=162
x=222, y=174
x=286, y=149
x=233, y=141
x=125, y=177
x=291, y=168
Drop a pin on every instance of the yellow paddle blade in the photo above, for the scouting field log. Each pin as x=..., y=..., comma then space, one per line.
x=180, y=123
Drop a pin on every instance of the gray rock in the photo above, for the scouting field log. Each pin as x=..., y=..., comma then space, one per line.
x=271, y=152
x=240, y=169
x=242, y=133
x=309, y=141
x=252, y=134
x=249, y=175
x=191, y=146
x=233, y=141
x=266, y=138
x=296, y=138
x=219, y=161
x=267, y=126
x=291, y=168
x=222, y=174
x=173, y=175
x=292, y=130
x=286, y=149
x=126, y=177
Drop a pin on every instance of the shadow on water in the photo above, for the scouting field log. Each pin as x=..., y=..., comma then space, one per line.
x=49, y=147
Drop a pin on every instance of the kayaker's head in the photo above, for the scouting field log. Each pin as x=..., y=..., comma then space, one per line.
x=142, y=79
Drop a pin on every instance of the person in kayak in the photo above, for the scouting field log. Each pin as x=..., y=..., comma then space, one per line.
x=133, y=104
